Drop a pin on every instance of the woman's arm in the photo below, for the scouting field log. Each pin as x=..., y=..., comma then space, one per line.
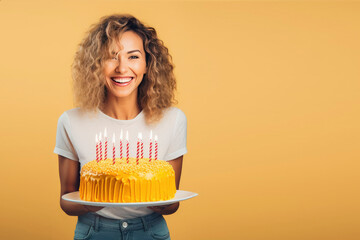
x=69, y=181
x=172, y=208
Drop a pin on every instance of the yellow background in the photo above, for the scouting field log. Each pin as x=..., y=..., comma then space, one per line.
x=271, y=93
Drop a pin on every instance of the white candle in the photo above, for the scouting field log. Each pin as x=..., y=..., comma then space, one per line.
x=106, y=144
x=150, y=147
x=113, y=148
x=156, y=147
x=100, y=143
x=127, y=146
x=121, y=146
x=97, y=147
x=141, y=146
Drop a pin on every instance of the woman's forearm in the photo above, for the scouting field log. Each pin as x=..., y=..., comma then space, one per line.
x=73, y=209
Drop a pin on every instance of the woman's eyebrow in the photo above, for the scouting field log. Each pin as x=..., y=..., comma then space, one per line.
x=134, y=51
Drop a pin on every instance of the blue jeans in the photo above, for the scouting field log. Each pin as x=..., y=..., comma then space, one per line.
x=93, y=226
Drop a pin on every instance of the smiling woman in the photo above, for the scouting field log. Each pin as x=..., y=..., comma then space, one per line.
x=121, y=43
x=124, y=70
x=123, y=81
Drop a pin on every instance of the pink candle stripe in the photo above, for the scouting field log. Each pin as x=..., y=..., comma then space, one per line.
x=106, y=145
x=127, y=147
x=100, y=146
x=150, y=150
x=97, y=152
x=113, y=153
x=156, y=148
x=127, y=151
x=97, y=148
x=121, y=149
x=137, y=151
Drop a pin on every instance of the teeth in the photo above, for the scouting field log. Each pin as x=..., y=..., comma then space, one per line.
x=122, y=80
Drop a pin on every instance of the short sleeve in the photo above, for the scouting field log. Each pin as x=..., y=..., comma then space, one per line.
x=63, y=146
x=177, y=145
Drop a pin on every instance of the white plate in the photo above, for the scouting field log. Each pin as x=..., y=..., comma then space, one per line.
x=180, y=195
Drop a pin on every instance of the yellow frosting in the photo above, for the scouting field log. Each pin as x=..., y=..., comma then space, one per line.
x=125, y=182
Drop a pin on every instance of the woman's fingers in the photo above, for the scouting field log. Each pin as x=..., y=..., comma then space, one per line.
x=93, y=208
x=165, y=209
x=158, y=208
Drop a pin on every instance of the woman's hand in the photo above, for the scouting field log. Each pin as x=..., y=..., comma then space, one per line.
x=165, y=209
x=171, y=208
x=93, y=208
x=69, y=180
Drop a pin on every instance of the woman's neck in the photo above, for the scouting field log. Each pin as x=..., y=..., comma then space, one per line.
x=122, y=109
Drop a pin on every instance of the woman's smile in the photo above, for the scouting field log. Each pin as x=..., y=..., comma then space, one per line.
x=122, y=81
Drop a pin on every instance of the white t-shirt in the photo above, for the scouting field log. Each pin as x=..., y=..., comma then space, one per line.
x=75, y=140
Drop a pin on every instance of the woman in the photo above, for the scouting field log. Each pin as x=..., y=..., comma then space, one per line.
x=123, y=80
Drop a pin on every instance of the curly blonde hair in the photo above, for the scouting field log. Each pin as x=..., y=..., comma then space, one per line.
x=157, y=89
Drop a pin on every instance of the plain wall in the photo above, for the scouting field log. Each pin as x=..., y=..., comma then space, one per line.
x=271, y=94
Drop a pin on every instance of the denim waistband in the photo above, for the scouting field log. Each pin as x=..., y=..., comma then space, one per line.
x=127, y=224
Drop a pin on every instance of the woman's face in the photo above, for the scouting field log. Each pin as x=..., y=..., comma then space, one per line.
x=125, y=69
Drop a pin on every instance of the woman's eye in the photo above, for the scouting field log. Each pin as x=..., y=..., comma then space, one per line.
x=134, y=57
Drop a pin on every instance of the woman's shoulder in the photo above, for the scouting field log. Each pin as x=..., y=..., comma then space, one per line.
x=76, y=114
x=174, y=111
x=174, y=114
x=69, y=113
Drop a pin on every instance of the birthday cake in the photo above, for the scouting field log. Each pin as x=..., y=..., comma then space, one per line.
x=127, y=180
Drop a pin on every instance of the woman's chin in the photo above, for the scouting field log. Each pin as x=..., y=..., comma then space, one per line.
x=123, y=95
x=123, y=92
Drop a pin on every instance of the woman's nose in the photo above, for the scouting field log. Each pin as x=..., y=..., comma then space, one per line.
x=121, y=66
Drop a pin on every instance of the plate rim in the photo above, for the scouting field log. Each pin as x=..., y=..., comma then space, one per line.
x=131, y=204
